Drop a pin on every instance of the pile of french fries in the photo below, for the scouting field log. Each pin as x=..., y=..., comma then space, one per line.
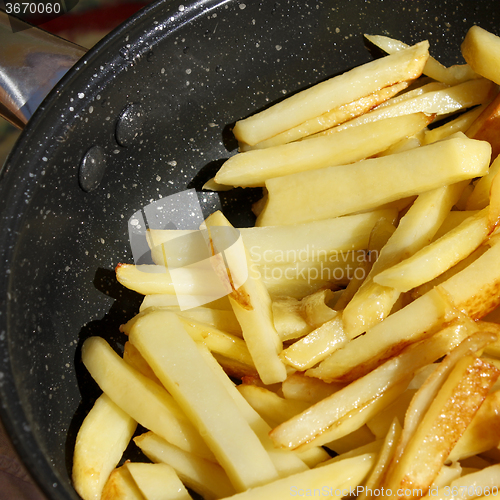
x=360, y=355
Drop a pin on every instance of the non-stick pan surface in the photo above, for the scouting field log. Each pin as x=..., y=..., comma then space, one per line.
x=153, y=103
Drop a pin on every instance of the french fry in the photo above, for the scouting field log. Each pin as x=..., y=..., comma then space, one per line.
x=171, y=352
x=439, y=103
x=439, y=256
x=121, y=486
x=433, y=68
x=385, y=456
x=481, y=50
x=331, y=118
x=299, y=387
x=288, y=318
x=252, y=306
x=271, y=407
x=267, y=245
x=343, y=477
x=480, y=196
x=358, y=187
x=145, y=401
x=486, y=127
x=254, y=168
x=203, y=476
x=343, y=89
x=445, y=421
x=100, y=443
x=315, y=423
x=286, y=462
x=169, y=300
x=374, y=300
x=317, y=345
x=483, y=433
x=459, y=124
x=157, y=481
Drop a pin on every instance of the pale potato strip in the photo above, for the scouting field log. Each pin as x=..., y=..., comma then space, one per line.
x=438, y=256
x=285, y=461
x=374, y=300
x=205, y=477
x=271, y=407
x=169, y=300
x=171, y=352
x=343, y=477
x=481, y=50
x=252, y=307
x=359, y=187
x=299, y=387
x=433, y=68
x=253, y=168
x=384, y=457
x=145, y=401
x=330, y=118
x=101, y=440
x=342, y=89
x=459, y=124
x=158, y=481
x=480, y=197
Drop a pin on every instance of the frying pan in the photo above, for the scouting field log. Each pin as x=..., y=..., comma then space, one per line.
x=151, y=106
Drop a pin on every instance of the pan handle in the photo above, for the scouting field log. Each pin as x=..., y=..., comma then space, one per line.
x=32, y=61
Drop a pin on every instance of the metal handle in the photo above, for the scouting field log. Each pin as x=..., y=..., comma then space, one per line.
x=32, y=61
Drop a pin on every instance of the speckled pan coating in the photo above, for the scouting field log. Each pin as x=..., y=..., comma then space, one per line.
x=153, y=103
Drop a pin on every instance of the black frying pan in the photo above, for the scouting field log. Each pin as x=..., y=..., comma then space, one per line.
x=189, y=71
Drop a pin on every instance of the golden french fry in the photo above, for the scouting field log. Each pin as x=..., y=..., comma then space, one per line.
x=317, y=345
x=360, y=187
x=343, y=477
x=343, y=89
x=121, y=485
x=288, y=318
x=331, y=118
x=483, y=433
x=102, y=438
x=440, y=103
x=443, y=424
x=315, y=423
x=252, y=306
